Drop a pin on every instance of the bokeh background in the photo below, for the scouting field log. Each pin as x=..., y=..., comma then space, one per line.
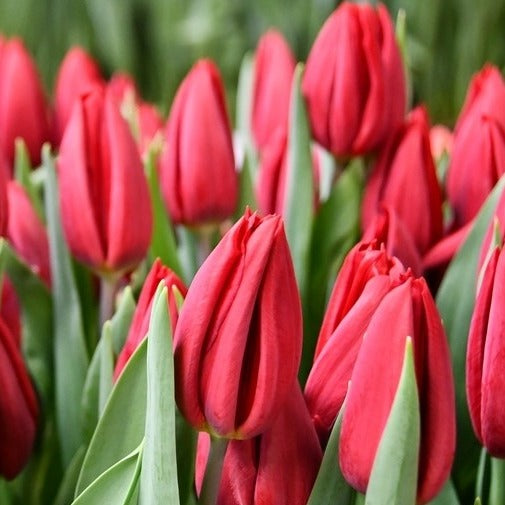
x=157, y=41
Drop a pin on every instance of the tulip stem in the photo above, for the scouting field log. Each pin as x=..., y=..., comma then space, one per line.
x=212, y=478
x=108, y=287
x=497, y=489
x=204, y=243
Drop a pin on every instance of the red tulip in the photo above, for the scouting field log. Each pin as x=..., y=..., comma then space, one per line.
x=23, y=109
x=404, y=177
x=478, y=155
x=198, y=176
x=406, y=310
x=18, y=407
x=104, y=198
x=10, y=311
x=78, y=74
x=485, y=384
x=277, y=467
x=367, y=275
x=27, y=233
x=239, y=334
x=274, y=67
x=142, y=315
x=354, y=81
x=441, y=141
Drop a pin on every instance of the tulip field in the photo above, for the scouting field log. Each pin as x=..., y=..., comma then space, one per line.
x=291, y=297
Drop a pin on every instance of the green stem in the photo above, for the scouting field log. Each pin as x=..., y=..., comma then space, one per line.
x=497, y=489
x=204, y=243
x=108, y=286
x=212, y=478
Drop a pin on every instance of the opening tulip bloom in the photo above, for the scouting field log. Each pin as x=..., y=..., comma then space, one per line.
x=239, y=335
x=198, y=177
x=485, y=380
x=104, y=198
x=406, y=310
x=354, y=81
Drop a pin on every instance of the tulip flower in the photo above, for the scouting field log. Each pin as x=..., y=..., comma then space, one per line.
x=78, y=74
x=239, y=334
x=441, y=141
x=478, y=156
x=104, y=198
x=354, y=80
x=23, y=109
x=407, y=310
x=198, y=177
x=485, y=384
x=404, y=177
x=277, y=467
x=26, y=232
x=18, y=407
x=142, y=315
x=274, y=67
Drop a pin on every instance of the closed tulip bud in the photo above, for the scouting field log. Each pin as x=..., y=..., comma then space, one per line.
x=478, y=156
x=278, y=467
x=26, y=232
x=274, y=67
x=354, y=80
x=23, y=109
x=78, y=74
x=404, y=178
x=104, y=198
x=441, y=141
x=198, y=177
x=239, y=334
x=406, y=310
x=18, y=407
x=485, y=385
x=142, y=315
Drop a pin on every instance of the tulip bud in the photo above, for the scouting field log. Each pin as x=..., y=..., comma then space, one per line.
x=142, y=315
x=273, y=73
x=279, y=466
x=485, y=385
x=27, y=233
x=354, y=80
x=478, y=155
x=23, y=109
x=406, y=310
x=404, y=177
x=104, y=198
x=18, y=407
x=198, y=177
x=441, y=141
x=239, y=334
x=78, y=74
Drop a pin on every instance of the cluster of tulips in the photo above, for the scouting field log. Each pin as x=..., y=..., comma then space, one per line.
x=305, y=310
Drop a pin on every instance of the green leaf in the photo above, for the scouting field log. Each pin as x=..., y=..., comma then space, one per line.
x=186, y=449
x=393, y=480
x=122, y=319
x=244, y=98
x=455, y=301
x=121, y=428
x=330, y=486
x=477, y=501
x=163, y=243
x=299, y=202
x=335, y=231
x=247, y=197
x=188, y=246
x=447, y=496
x=70, y=355
x=116, y=485
x=106, y=366
x=66, y=490
x=37, y=327
x=158, y=479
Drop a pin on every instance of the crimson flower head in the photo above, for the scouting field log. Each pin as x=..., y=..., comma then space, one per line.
x=239, y=334
x=404, y=178
x=77, y=75
x=24, y=111
x=198, y=177
x=142, y=315
x=274, y=67
x=104, y=198
x=485, y=381
x=18, y=407
x=354, y=81
x=407, y=310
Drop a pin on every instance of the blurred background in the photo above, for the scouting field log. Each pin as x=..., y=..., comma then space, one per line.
x=157, y=41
